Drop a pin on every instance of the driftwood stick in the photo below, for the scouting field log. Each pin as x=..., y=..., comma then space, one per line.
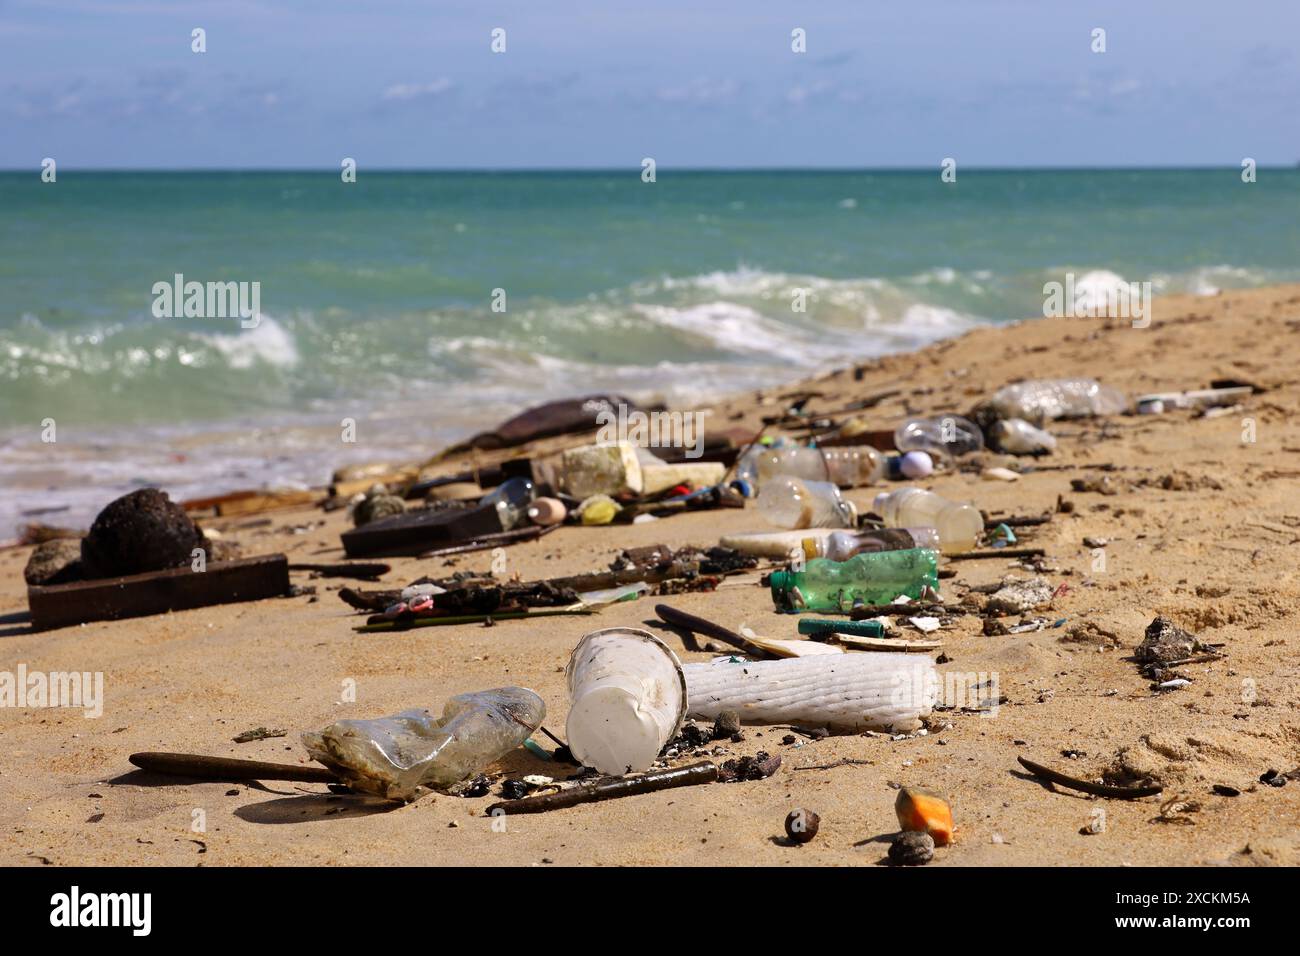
x=362, y=570
x=483, y=542
x=1096, y=789
x=998, y=553
x=698, y=625
x=229, y=768
x=609, y=789
x=399, y=624
x=1017, y=521
x=842, y=762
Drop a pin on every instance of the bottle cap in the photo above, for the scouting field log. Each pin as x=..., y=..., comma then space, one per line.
x=916, y=464
x=809, y=546
x=546, y=511
x=779, y=581
x=744, y=487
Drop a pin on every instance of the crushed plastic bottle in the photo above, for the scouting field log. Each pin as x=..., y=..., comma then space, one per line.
x=789, y=502
x=959, y=525
x=1044, y=400
x=395, y=757
x=1015, y=436
x=870, y=578
x=944, y=436
x=511, y=499
x=842, y=545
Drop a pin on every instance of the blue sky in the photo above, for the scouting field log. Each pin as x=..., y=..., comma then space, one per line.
x=603, y=83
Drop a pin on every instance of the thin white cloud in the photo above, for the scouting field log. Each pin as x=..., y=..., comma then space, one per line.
x=701, y=90
x=415, y=91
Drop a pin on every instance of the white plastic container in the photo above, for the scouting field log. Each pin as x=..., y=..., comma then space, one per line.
x=627, y=698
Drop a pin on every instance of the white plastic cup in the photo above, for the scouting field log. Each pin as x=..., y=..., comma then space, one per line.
x=627, y=699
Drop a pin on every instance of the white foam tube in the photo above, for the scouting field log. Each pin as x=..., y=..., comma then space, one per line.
x=847, y=692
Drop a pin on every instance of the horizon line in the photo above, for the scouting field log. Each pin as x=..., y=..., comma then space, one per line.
x=633, y=168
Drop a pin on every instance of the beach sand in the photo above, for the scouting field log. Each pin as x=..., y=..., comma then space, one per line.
x=1204, y=533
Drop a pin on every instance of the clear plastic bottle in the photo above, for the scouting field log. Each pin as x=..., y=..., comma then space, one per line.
x=1017, y=437
x=790, y=502
x=511, y=498
x=959, y=525
x=849, y=466
x=842, y=545
x=1044, y=400
x=874, y=578
x=395, y=756
x=945, y=436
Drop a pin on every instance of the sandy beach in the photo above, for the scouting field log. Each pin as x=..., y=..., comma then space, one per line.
x=1202, y=530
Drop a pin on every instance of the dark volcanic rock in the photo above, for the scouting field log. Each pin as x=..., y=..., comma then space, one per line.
x=1165, y=642
x=142, y=531
x=912, y=849
x=54, y=562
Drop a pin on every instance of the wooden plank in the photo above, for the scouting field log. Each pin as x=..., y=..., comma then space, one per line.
x=157, y=592
x=237, y=503
x=415, y=532
x=271, y=501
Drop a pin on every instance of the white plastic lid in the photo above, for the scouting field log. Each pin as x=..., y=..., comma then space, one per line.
x=916, y=464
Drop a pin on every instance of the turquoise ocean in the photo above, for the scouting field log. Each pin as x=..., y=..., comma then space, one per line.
x=376, y=298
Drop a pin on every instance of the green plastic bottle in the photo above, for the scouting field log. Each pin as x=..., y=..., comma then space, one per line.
x=868, y=578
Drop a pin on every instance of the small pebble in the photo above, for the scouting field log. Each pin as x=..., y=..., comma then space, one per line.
x=515, y=789
x=912, y=849
x=801, y=825
x=727, y=725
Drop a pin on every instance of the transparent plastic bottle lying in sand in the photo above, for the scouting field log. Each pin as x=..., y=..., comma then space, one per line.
x=959, y=525
x=849, y=466
x=842, y=545
x=944, y=435
x=396, y=756
x=790, y=502
x=512, y=499
x=1044, y=400
x=1017, y=437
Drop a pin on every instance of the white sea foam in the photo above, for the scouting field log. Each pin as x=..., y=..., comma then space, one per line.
x=735, y=328
x=268, y=342
x=1094, y=290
